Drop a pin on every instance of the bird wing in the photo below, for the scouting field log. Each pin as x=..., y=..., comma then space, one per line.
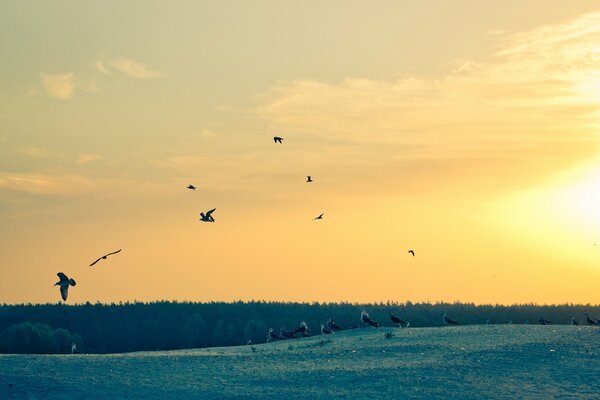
x=411, y=252
x=210, y=212
x=114, y=252
x=64, y=291
x=62, y=277
x=92, y=264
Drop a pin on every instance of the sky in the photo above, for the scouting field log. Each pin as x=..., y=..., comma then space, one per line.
x=464, y=130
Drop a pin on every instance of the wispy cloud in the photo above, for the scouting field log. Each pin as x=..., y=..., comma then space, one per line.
x=60, y=86
x=88, y=158
x=101, y=66
x=44, y=183
x=134, y=68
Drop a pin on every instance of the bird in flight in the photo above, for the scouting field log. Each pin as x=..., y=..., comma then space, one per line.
x=320, y=216
x=412, y=252
x=104, y=257
x=64, y=285
x=191, y=187
x=309, y=179
x=278, y=139
x=207, y=217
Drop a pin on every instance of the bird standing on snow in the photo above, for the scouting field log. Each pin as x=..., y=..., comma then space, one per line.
x=364, y=317
x=191, y=187
x=319, y=217
x=105, y=256
x=397, y=321
x=447, y=320
x=325, y=330
x=278, y=139
x=207, y=217
x=64, y=285
x=309, y=179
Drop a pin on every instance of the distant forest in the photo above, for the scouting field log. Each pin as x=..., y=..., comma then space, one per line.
x=126, y=327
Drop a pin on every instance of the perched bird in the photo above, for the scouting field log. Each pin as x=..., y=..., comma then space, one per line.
x=271, y=335
x=413, y=253
x=364, y=317
x=325, y=330
x=573, y=322
x=447, y=320
x=397, y=321
x=320, y=216
x=332, y=325
x=303, y=330
x=74, y=349
x=309, y=179
x=285, y=334
x=589, y=320
x=277, y=139
x=104, y=257
x=191, y=187
x=207, y=217
x=543, y=321
x=64, y=285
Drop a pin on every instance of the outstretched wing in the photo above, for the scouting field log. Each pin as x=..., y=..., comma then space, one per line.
x=114, y=252
x=95, y=261
x=62, y=277
x=210, y=212
x=64, y=291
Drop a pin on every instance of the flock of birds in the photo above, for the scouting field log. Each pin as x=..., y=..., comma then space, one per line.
x=64, y=281
x=331, y=327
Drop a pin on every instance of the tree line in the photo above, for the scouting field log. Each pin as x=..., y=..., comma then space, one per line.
x=164, y=325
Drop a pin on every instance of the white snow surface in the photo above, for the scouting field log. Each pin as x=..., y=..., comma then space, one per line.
x=464, y=362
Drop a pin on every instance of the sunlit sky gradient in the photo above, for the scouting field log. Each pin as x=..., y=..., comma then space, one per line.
x=465, y=130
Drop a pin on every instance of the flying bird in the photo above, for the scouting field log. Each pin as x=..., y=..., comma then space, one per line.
x=412, y=252
x=364, y=317
x=320, y=216
x=64, y=283
x=309, y=179
x=447, y=320
x=278, y=139
x=104, y=257
x=326, y=331
x=397, y=321
x=191, y=187
x=207, y=217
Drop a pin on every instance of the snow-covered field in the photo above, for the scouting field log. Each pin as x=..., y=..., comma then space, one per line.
x=465, y=362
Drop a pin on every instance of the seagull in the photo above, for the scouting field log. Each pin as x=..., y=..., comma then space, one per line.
x=589, y=320
x=325, y=331
x=448, y=321
x=573, y=322
x=543, y=321
x=332, y=325
x=364, y=317
x=412, y=252
x=319, y=217
x=397, y=321
x=64, y=285
x=191, y=187
x=207, y=217
x=309, y=179
x=277, y=139
x=104, y=257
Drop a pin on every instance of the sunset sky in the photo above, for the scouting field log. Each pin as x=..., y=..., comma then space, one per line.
x=465, y=130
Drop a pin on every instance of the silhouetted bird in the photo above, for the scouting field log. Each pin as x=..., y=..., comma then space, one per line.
x=208, y=217
x=412, y=252
x=104, y=256
x=64, y=285
x=364, y=317
x=74, y=349
x=320, y=216
x=285, y=334
x=397, y=321
x=278, y=139
x=543, y=321
x=332, y=325
x=325, y=330
x=309, y=179
x=589, y=320
x=447, y=320
x=191, y=187
x=573, y=322
x=303, y=329
x=272, y=335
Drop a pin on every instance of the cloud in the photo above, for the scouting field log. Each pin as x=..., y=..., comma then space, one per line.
x=44, y=183
x=100, y=66
x=88, y=158
x=60, y=86
x=134, y=69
